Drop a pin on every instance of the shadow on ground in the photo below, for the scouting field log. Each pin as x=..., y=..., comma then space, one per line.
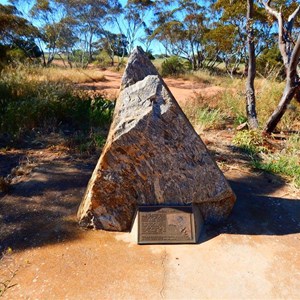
x=41, y=209
x=9, y=161
x=258, y=210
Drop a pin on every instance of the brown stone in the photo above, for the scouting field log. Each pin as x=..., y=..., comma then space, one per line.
x=152, y=156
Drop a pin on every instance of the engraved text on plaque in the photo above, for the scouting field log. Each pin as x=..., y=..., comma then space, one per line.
x=166, y=225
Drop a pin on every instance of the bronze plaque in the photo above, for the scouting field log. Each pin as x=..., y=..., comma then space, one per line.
x=166, y=225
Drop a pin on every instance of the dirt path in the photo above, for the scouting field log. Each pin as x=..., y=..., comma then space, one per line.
x=182, y=89
x=255, y=254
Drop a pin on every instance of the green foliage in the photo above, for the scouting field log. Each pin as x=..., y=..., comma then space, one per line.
x=269, y=63
x=29, y=104
x=174, y=66
x=209, y=118
x=101, y=111
x=80, y=58
x=113, y=44
x=11, y=55
x=240, y=119
x=86, y=143
x=286, y=162
x=250, y=142
x=103, y=59
x=16, y=55
x=221, y=37
x=17, y=31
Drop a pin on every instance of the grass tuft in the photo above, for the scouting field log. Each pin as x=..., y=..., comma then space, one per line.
x=286, y=162
x=249, y=141
x=29, y=104
x=209, y=118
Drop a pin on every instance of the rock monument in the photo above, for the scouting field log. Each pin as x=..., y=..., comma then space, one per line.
x=152, y=156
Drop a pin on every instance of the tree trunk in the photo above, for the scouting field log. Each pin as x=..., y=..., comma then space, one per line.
x=69, y=60
x=61, y=57
x=90, y=49
x=288, y=94
x=250, y=91
x=292, y=84
x=44, y=59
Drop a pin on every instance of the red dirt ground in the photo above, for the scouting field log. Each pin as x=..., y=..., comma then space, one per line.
x=255, y=254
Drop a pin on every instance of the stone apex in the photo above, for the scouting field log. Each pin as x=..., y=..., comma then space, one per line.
x=139, y=66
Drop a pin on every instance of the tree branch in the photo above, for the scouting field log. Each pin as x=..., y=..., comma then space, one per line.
x=292, y=18
x=281, y=32
x=295, y=55
x=270, y=10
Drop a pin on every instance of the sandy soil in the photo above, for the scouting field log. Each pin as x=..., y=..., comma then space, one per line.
x=183, y=90
x=254, y=255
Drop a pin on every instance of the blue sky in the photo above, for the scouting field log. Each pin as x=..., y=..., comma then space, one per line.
x=155, y=46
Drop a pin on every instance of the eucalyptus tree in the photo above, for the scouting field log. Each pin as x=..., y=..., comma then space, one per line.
x=113, y=44
x=229, y=31
x=90, y=18
x=289, y=46
x=180, y=27
x=16, y=31
x=53, y=21
x=131, y=21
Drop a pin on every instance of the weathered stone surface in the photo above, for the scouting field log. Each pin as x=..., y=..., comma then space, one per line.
x=152, y=156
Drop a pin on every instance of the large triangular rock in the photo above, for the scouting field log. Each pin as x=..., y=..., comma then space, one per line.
x=152, y=156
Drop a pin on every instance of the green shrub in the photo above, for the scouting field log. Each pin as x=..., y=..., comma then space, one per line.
x=209, y=118
x=80, y=58
x=101, y=111
x=250, y=141
x=28, y=104
x=269, y=63
x=16, y=55
x=286, y=162
x=86, y=143
x=103, y=59
x=174, y=66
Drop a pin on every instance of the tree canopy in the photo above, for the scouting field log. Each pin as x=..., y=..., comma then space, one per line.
x=206, y=33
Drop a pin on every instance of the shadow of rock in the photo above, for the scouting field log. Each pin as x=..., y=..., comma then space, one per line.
x=258, y=209
x=41, y=209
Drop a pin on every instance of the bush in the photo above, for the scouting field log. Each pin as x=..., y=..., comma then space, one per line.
x=174, y=66
x=249, y=141
x=16, y=55
x=103, y=59
x=286, y=162
x=269, y=64
x=210, y=118
x=80, y=58
x=27, y=104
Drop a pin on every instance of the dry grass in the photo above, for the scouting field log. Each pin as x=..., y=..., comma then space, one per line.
x=227, y=109
x=8, y=272
x=71, y=75
x=231, y=100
